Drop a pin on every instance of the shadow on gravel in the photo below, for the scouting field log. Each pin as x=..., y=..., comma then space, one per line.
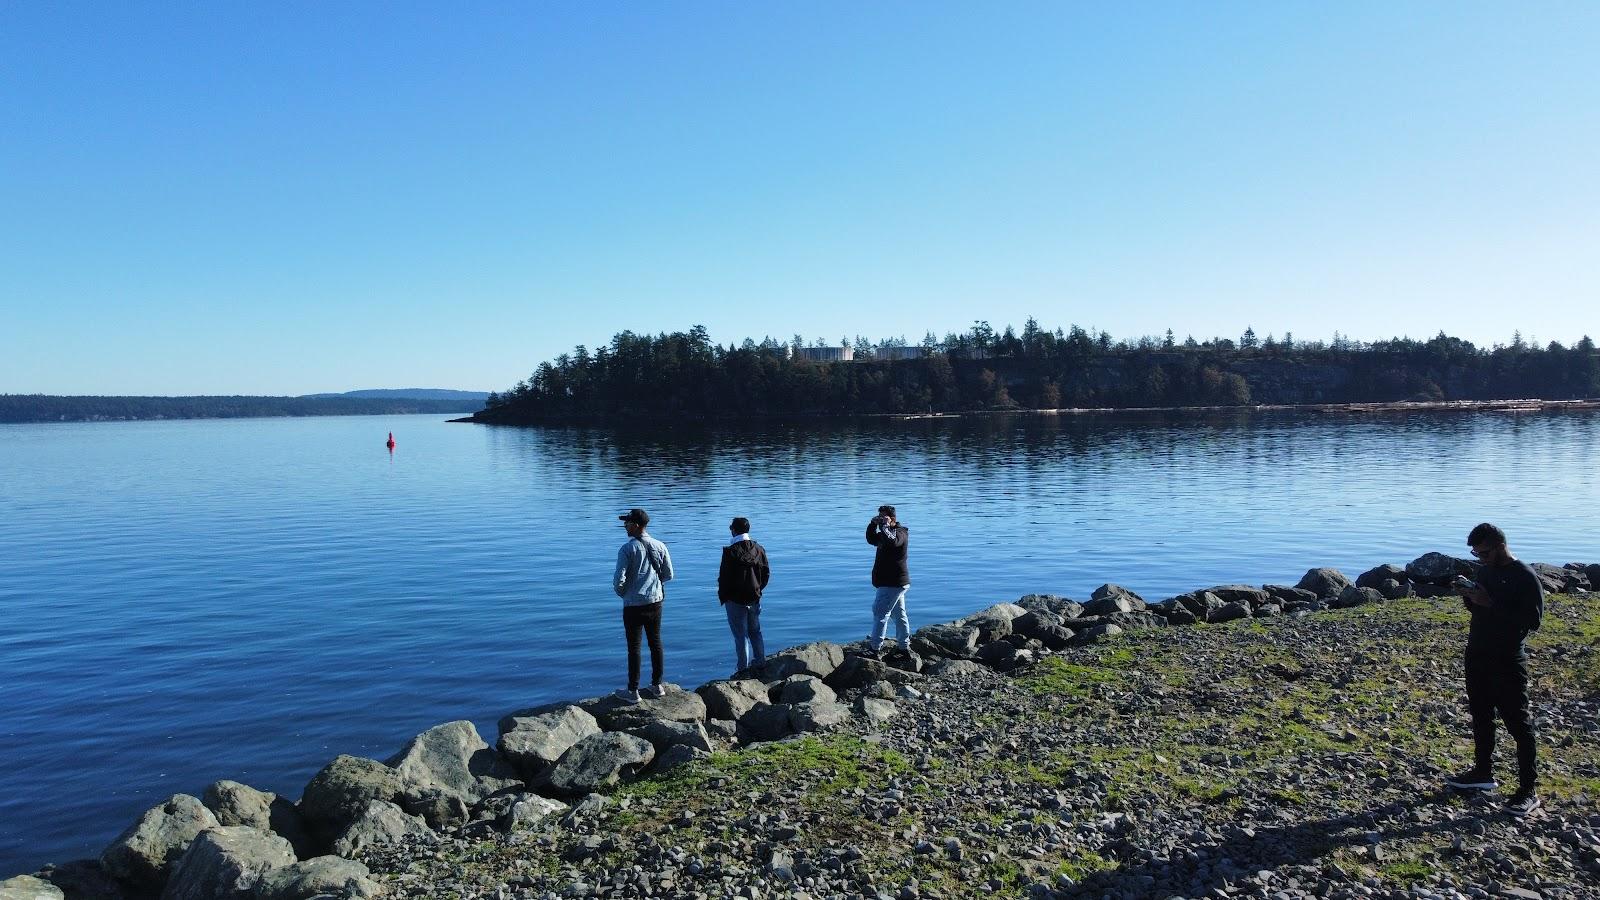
x=1243, y=851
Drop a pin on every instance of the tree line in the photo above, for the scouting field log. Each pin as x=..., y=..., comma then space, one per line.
x=49, y=408
x=687, y=374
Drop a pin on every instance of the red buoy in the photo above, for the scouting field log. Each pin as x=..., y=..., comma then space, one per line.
x=390, y=444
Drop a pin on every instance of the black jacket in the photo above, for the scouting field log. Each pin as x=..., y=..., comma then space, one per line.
x=1516, y=608
x=889, y=566
x=743, y=574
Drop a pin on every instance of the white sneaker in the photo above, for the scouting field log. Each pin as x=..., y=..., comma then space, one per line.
x=655, y=691
x=627, y=696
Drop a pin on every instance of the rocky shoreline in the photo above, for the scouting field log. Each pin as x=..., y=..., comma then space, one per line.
x=1290, y=746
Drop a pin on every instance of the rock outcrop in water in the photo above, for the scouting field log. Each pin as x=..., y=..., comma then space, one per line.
x=1040, y=748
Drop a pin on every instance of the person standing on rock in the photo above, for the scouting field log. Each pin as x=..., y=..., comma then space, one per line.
x=643, y=566
x=890, y=576
x=1507, y=603
x=741, y=578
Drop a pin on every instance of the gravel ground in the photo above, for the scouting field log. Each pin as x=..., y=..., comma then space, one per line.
x=1273, y=758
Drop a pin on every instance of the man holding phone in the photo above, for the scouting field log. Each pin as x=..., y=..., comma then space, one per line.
x=1507, y=603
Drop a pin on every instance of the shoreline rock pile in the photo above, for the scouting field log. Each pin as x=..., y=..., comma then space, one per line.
x=551, y=766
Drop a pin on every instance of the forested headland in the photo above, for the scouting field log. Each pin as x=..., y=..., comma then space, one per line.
x=49, y=408
x=687, y=374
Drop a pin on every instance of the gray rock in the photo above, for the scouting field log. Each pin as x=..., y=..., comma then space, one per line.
x=225, y=863
x=802, y=689
x=1553, y=578
x=1268, y=611
x=598, y=761
x=663, y=734
x=1592, y=572
x=960, y=641
x=1097, y=634
x=1377, y=575
x=533, y=743
x=1394, y=590
x=1353, y=596
x=144, y=854
x=677, y=706
x=240, y=804
x=1228, y=612
x=339, y=794
x=767, y=722
x=324, y=876
x=955, y=668
x=381, y=822
x=993, y=623
x=816, y=715
x=1131, y=621
x=27, y=887
x=731, y=699
x=1177, y=614
x=1240, y=593
x=1323, y=582
x=1051, y=603
x=722, y=731
x=1285, y=594
x=1438, y=568
x=438, y=807
x=859, y=671
x=1112, y=598
x=83, y=879
x=875, y=711
x=452, y=759
x=530, y=809
x=817, y=658
x=675, y=756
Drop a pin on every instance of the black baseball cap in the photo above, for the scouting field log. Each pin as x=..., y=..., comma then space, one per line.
x=637, y=516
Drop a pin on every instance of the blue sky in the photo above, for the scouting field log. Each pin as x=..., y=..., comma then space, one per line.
x=286, y=198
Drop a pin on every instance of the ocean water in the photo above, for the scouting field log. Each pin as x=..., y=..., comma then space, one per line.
x=245, y=599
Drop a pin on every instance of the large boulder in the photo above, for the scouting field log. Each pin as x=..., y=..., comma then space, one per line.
x=1592, y=572
x=240, y=804
x=1377, y=575
x=1240, y=593
x=144, y=854
x=816, y=715
x=817, y=658
x=1553, y=578
x=1178, y=614
x=83, y=879
x=1051, y=603
x=860, y=671
x=1228, y=612
x=767, y=722
x=956, y=668
x=993, y=623
x=875, y=711
x=527, y=810
x=597, y=761
x=380, y=822
x=1112, y=598
x=533, y=743
x=226, y=863
x=731, y=699
x=1044, y=627
x=675, y=756
x=676, y=705
x=802, y=689
x=1285, y=594
x=324, y=876
x=1353, y=596
x=960, y=641
x=27, y=887
x=339, y=794
x=1143, y=618
x=1096, y=634
x=1323, y=582
x=1438, y=568
x=452, y=759
x=663, y=734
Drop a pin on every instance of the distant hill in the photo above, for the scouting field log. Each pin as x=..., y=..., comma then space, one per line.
x=477, y=398
x=45, y=408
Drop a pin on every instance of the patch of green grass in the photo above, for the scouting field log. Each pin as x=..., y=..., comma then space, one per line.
x=845, y=762
x=1084, y=864
x=1055, y=675
x=1407, y=871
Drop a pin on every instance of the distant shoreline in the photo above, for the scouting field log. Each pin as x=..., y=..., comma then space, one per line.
x=20, y=409
x=1521, y=405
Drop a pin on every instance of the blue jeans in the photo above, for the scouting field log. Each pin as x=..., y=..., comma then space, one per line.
x=745, y=623
x=890, y=602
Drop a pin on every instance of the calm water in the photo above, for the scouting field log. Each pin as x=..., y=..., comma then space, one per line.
x=189, y=601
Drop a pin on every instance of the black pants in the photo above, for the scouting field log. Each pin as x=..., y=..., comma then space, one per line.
x=648, y=619
x=1497, y=684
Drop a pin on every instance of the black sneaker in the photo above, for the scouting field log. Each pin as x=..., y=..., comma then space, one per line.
x=1522, y=803
x=1472, y=780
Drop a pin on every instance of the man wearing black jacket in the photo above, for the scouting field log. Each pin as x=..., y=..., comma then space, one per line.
x=741, y=578
x=890, y=576
x=1507, y=602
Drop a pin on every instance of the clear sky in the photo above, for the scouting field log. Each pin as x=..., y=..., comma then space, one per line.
x=281, y=198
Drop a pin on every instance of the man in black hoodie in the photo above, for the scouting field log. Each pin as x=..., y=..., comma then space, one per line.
x=741, y=578
x=1507, y=602
x=890, y=576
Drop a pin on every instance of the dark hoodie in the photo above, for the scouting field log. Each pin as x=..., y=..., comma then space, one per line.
x=743, y=574
x=889, y=567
